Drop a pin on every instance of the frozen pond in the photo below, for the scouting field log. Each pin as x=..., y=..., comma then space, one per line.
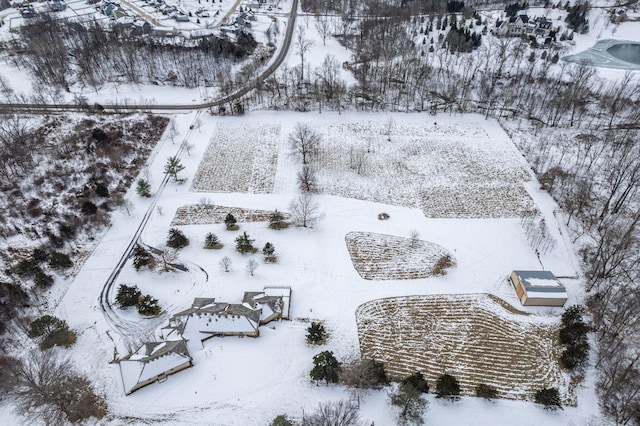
x=618, y=54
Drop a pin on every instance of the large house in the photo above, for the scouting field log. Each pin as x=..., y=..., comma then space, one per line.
x=152, y=362
x=522, y=25
x=207, y=318
x=188, y=329
x=538, y=288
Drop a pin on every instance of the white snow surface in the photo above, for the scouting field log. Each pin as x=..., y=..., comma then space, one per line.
x=249, y=381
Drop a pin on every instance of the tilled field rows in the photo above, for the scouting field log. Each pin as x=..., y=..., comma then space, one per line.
x=204, y=214
x=239, y=158
x=472, y=337
x=388, y=257
x=444, y=170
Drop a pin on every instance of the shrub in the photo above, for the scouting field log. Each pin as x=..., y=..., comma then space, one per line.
x=325, y=367
x=148, y=306
x=277, y=221
x=411, y=404
x=549, y=397
x=316, y=334
x=418, y=381
x=143, y=188
x=573, y=335
x=26, y=267
x=51, y=331
x=102, y=190
x=41, y=279
x=177, y=239
x=127, y=296
x=64, y=338
x=486, y=391
x=444, y=262
x=39, y=255
x=268, y=251
x=58, y=260
x=447, y=386
x=281, y=420
x=230, y=223
x=244, y=244
x=142, y=258
x=88, y=208
x=211, y=241
x=364, y=374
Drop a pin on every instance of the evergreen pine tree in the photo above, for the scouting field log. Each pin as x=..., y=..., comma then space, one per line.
x=230, y=222
x=127, y=296
x=549, y=397
x=244, y=244
x=177, y=239
x=411, y=403
x=269, y=253
x=211, y=241
x=316, y=333
x=143, y=188
x=142, y=258
x=325, y=367
x=447, y=386
x=148, y=306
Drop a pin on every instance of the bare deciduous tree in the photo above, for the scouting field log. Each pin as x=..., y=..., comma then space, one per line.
x=168, y=256
x=225, y=263
x=335, y=413
x=414, y=236
x=305, y=211
x=302, y=45
x=252, y=265
x=324, y=28
x=46, y=388
x=304, y=142
x=307, y=180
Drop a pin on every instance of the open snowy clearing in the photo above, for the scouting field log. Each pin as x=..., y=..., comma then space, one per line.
x=473, y=337
x=249, y=381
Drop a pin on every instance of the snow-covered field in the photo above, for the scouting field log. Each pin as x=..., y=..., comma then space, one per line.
x=388, y=257
x=249, y=381
x=472, y=337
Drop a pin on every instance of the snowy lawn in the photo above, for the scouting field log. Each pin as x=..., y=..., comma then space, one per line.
x=476, y=338
x=387, y=257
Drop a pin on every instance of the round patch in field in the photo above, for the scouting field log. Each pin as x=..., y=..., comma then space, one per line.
x=388, y=257
x=477, y=338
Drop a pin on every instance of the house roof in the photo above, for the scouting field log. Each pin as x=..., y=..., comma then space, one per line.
x=150, y=360
x=540, y=282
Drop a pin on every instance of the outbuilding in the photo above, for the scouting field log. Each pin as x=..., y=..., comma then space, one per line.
x=538, y=288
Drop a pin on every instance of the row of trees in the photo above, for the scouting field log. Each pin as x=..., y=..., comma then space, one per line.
x=393, y=73
x=61, y=52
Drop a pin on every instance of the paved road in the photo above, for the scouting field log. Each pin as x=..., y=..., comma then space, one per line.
x=9, y=108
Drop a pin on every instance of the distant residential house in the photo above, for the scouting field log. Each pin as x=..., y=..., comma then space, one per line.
x=27, y=11
x=152, y=362
x=141, y=27
x=56, y=5
x=181, y=17
x=538, y=288
x=522, y=25
x=517, y=25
